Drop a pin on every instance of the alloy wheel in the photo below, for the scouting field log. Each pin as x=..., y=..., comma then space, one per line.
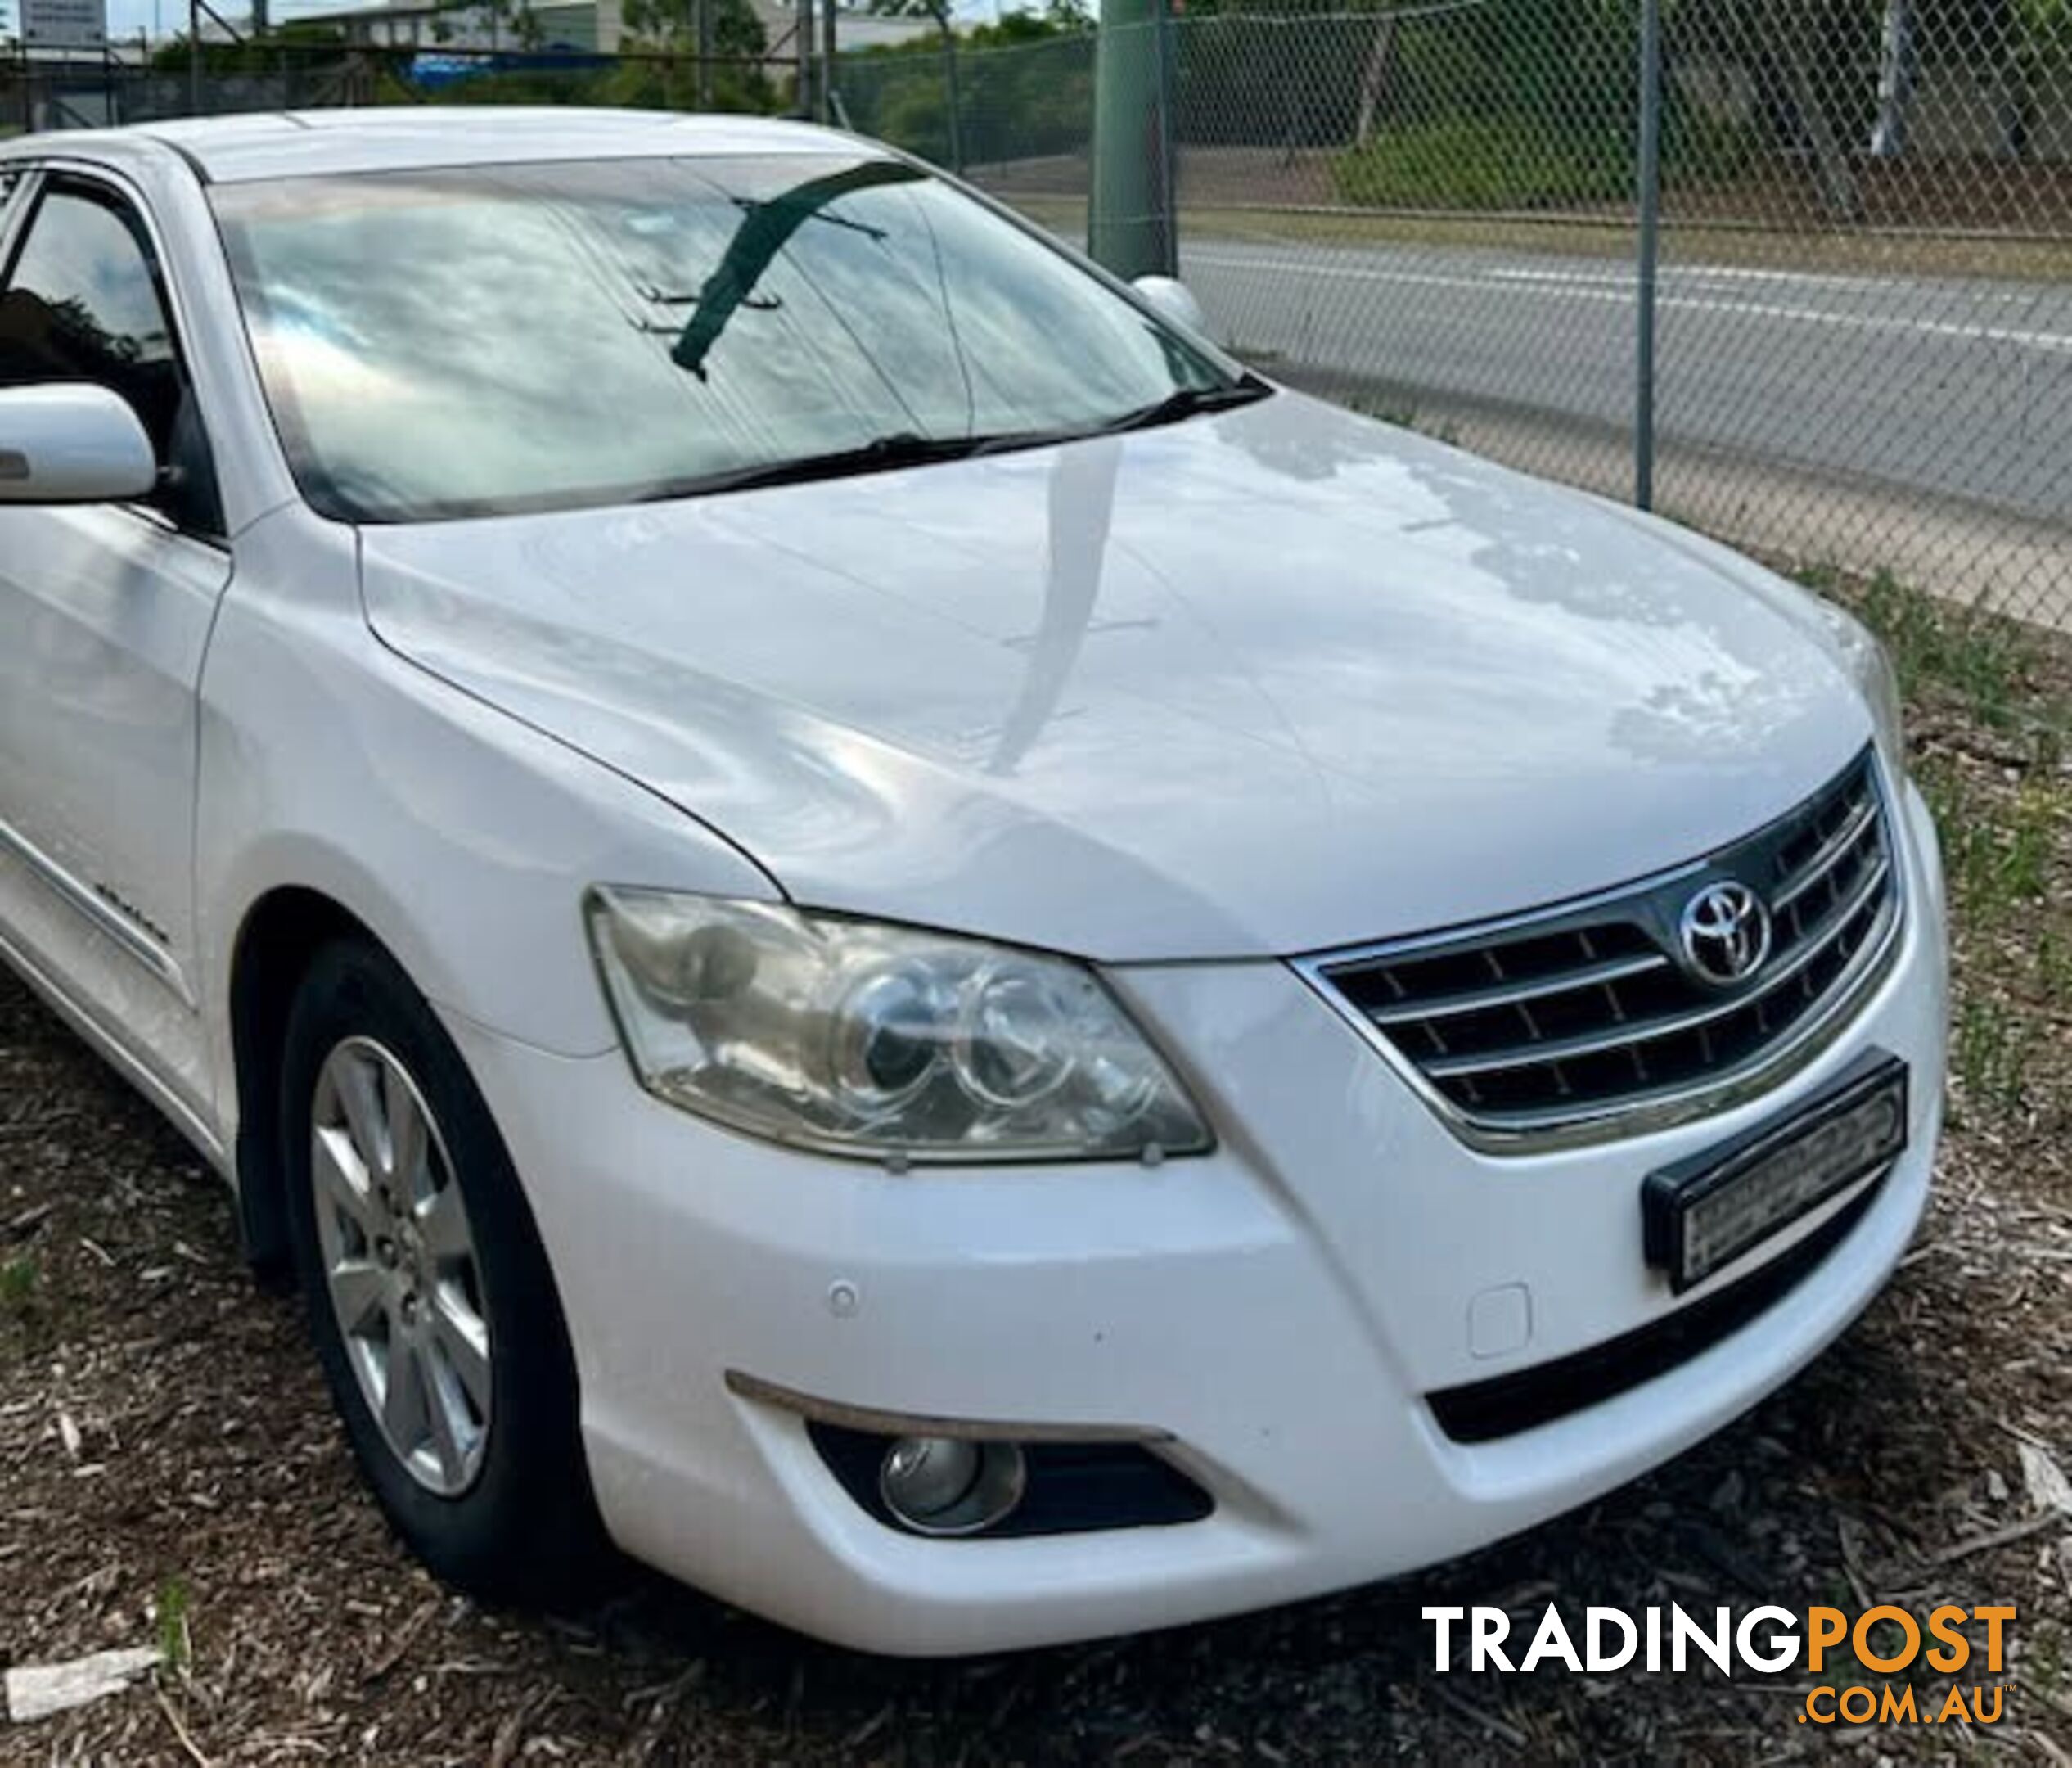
x=399, y=1265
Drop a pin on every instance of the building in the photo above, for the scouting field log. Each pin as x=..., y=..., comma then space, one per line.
x=590, y=27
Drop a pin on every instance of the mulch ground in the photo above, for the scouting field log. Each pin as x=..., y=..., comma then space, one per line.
x=170, y=1474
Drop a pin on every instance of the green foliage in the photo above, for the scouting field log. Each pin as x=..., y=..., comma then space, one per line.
x=671, y=83
x=1993, y=1054
x=1471, y=162
x=1991, y=767
x=1405, y=415
x=1997, y=858
x=660, y=71
x=17, y=1285
x=1522, y=104
x=1981, y=658
x=175, y=1647
x=1026, y=84
x=290, y=43
x=658, y=81
x=668, y=29
x=672, y=24
x=2054, y=966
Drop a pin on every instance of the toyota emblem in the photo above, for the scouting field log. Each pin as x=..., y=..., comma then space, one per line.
x=1725, y=934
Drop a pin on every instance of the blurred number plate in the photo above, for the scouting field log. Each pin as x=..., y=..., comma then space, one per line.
x=1704, y=1213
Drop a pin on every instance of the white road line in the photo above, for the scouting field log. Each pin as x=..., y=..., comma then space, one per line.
x=1509, y=283
x=1812, y=279
x=1701, y=275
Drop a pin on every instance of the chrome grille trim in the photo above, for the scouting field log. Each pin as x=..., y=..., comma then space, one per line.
x=1522, y=994
x=1825, y=861
x=1574, y=1024
x=1630, y=1031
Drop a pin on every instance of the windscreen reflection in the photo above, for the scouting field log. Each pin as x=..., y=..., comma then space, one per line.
x=497, y=339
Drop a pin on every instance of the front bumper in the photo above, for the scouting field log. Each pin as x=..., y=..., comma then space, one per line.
x=1280, y=1308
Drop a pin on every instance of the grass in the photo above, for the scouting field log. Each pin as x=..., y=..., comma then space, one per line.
x=17, y=1285
x=1989, y=702
x=1938, y=645
x=1403, y=414
x=1990, y=1055
x=1481, y=163
x=175, y=1643
x=2000, y=858
x=2043, y=1662
x=2054, y=962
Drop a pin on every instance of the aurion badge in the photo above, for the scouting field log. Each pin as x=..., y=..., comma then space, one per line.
x=1725, y=933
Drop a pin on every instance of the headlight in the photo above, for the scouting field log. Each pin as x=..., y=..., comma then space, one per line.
x=861, y=1039
x=1868, y=663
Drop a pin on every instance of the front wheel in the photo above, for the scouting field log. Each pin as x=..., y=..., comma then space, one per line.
x=428, y=1296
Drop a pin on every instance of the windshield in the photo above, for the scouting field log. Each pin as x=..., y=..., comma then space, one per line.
x=493, y=339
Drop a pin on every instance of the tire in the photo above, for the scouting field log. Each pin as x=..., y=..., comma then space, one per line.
x=456, y=1383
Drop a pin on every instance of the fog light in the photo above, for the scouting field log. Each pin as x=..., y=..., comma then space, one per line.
x=949, y=1485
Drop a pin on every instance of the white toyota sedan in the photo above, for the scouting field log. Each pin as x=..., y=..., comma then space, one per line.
x=866, y=922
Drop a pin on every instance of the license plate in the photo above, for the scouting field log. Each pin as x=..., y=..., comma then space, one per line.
x=1704, y=1213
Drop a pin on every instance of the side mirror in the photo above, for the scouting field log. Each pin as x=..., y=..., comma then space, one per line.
x=72, y=445
x=1174, y=300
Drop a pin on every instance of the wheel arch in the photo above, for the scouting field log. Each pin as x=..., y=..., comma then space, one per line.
x=281, y=933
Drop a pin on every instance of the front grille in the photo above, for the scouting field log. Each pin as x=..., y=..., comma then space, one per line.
x=1585, y=1014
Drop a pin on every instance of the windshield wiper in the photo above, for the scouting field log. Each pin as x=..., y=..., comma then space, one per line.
x=903, y=448
x=1187, y=402
x=909, y=447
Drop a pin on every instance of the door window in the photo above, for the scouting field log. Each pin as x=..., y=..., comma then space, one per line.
x=85, y=301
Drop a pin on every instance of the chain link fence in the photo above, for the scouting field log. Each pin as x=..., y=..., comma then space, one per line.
x=47, y=91
x=1862, y=308
x=1865, y=302
x=81, y=90
x=1022, y=120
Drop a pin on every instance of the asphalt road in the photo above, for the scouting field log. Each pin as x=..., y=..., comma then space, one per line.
x=1961, y=388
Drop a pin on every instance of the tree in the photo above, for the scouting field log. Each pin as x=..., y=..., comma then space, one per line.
x=673, y=24
x=732, y=78
x=1013, y=105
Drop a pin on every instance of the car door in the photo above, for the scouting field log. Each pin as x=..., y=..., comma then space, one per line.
x=104, y=615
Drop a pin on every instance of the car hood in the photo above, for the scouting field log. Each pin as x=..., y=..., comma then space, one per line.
x=1268, y=682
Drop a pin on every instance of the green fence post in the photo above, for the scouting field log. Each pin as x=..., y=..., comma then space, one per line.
x=1129, y=214
x=1649, y=202
x=952, y=92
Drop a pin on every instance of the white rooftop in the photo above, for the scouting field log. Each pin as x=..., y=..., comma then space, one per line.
x=238, y=149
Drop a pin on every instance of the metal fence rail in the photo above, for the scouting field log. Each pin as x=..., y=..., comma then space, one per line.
x=1860, y=306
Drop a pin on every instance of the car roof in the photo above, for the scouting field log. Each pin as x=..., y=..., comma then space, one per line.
x=302, y=143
